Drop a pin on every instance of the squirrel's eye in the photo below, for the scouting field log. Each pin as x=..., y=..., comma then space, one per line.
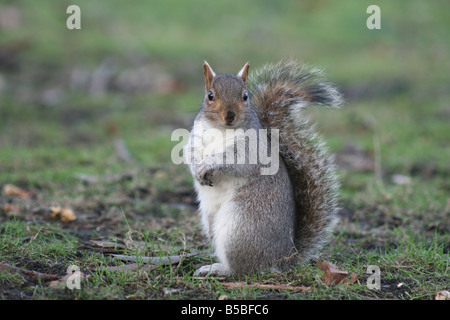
x=210, y=96
x=245, y=96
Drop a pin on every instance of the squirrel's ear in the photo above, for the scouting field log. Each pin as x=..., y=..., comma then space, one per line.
x=209, y=75
x=244, y=72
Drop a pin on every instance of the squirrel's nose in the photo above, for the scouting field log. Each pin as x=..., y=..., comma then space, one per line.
x=230, y=117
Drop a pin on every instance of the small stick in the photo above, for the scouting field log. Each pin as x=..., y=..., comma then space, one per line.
x=266, y=286
x=43, y=276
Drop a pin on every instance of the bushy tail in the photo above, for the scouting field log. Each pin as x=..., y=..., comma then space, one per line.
x=279, y=93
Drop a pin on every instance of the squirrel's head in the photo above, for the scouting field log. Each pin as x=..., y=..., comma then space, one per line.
x=226, y=100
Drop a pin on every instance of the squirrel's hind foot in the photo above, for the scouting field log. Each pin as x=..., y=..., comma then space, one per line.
x=215, y=269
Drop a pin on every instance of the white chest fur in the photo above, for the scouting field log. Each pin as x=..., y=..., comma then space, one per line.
x=206, y=140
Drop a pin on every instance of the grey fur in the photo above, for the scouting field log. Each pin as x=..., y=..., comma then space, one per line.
x=270, y=222
x=311, y=167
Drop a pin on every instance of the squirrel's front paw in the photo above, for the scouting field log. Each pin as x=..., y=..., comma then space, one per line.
x=207, y=178
x=204, y=174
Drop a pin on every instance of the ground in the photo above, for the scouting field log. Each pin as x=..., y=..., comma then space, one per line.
x=86, y=118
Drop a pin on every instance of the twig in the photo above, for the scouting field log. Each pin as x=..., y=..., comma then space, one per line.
x=130, y=267
x=154, y=260
x=39, y=275
x=266, y=286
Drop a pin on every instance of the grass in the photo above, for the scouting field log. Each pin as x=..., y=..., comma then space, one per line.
x=59, y=130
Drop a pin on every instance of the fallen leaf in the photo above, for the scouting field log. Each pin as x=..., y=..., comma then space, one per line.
x=12, y=190
x=333, y=275
x=63, y=214
x=353, y=278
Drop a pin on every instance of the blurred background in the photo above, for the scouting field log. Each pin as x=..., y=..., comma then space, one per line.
x=107, y=96
x=86, y=118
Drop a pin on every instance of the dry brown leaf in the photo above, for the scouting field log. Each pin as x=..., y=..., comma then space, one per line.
x=12, y=190
x=353, y=279
x=333, y=275
x=63, y=214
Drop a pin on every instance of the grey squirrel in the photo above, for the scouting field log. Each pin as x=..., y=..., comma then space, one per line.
x=261, y=221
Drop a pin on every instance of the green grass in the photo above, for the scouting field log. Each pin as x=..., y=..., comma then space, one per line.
x=411, y=270
x=55, y=129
